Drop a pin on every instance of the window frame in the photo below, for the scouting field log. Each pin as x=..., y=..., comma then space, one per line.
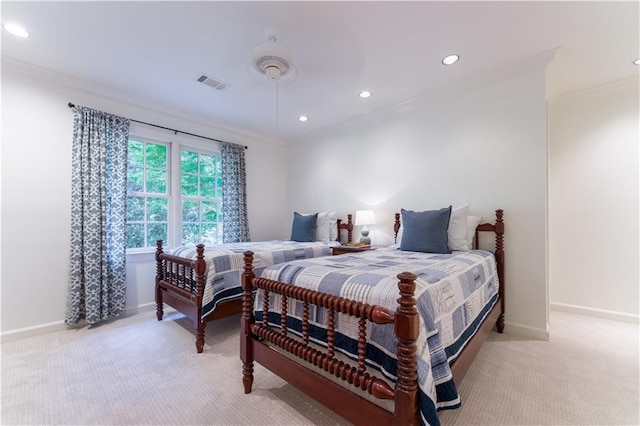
x=145, y=139
x=174, y=194
x=178, y=189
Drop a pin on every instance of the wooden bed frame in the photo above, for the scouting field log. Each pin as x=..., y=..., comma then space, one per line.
x=356, y=409
x=174, y=286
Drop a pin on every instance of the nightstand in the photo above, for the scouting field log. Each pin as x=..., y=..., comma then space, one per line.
x=349, y=249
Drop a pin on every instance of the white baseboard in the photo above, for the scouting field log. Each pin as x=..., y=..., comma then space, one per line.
x=52, y=327
x=526, y=331
x=593, y=312
x=145, y=307
x=36, y=330
x=519, y=329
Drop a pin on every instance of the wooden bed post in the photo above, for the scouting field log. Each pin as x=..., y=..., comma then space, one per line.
x=499, y=228
x=396, y=228
x=349, y=228
x=407, y=329
x=159, y=311
x=201, y=268
x=246, y=342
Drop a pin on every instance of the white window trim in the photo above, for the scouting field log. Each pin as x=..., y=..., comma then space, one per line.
x=175, y=144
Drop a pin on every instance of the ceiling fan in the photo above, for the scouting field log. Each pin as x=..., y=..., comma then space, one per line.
x=274, y=61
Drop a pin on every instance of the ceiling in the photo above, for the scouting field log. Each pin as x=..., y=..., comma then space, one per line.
x=155, y=51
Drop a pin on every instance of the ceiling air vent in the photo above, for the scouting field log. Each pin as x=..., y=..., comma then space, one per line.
x=212, y=82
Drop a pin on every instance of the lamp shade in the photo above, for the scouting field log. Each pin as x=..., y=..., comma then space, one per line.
x=364, y=217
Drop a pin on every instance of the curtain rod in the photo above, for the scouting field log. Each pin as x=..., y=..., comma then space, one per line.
x=172, y=130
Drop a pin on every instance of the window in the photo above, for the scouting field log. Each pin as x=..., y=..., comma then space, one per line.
x=193, y=215
x=147, y=194
x=201, y=194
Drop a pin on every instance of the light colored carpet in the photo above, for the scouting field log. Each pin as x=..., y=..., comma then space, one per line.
x=586, y=374
x=137, y=370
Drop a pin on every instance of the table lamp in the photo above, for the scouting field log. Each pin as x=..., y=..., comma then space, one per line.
x=364, y=218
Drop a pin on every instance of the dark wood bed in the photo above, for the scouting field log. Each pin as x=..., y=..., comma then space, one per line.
x=180, y=283
x=258, y=340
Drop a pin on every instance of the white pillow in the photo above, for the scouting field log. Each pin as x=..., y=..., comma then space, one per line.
x=323, y=225
x=333, y=226
x=472, y=224
x=457, y=231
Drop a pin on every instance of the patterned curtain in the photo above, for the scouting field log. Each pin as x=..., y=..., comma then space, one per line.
x=97, y=274
x=235, y=225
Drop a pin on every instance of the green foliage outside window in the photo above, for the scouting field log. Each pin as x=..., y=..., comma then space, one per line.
x=148, y=202
x=201, y=190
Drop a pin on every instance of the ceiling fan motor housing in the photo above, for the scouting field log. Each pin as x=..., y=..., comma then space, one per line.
x=273, y=66
x=275, y=62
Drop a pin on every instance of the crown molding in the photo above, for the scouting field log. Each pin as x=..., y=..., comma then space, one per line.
x=631, y=83
x=538, y=61
x=95, y=89
x=535, y=62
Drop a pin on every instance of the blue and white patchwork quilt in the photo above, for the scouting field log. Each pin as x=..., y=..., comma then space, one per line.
x=454, y=293
x=225, y=263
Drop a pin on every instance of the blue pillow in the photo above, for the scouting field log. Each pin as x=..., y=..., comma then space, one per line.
x=425, y=231
x=304, y=227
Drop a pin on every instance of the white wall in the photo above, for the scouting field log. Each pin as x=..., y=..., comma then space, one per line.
x=593, y=200
x=486, y=145
x=36, y=180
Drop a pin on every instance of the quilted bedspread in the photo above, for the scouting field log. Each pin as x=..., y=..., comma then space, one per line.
x=454, y=294
x=225, y=263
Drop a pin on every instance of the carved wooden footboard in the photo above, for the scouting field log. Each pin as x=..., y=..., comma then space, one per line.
x=357, y=409
x=180, y=283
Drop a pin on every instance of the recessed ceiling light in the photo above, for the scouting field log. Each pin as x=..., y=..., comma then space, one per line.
x=365, y=94
x=450, y=60
x=303, y=118
x=16, y=30
x=636, y=62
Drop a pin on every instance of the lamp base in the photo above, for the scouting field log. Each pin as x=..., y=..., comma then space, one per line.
x=364, y=239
